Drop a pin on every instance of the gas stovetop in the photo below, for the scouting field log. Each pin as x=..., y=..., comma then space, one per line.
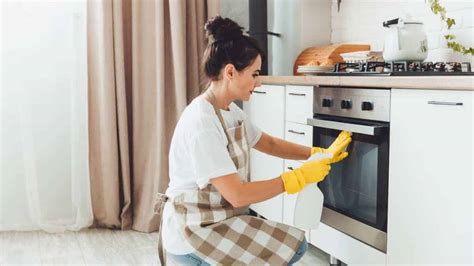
x=403, y=68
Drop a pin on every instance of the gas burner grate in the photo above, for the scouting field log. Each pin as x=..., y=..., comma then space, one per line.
x=403, y=67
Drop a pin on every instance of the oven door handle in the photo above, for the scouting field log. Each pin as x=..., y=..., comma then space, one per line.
x=354, y=128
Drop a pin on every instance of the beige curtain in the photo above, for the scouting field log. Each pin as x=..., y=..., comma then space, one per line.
x=143, y=58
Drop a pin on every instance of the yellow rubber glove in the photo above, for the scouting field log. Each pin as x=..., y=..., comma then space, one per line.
x=310, y=172
x=337, y=148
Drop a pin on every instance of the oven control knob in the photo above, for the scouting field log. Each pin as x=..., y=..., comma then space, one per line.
x=367, y=106
x=346, y=104
x=327, y=102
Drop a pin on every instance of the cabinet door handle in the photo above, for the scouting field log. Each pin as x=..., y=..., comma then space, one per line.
x=445, y=103
x=295, y=132
x=261, y=92
x=297, y=94
x=290, y=168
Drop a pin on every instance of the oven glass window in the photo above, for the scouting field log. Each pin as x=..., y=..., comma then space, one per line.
x=357, y=186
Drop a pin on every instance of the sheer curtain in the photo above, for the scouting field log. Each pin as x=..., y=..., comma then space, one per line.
x=44, y=170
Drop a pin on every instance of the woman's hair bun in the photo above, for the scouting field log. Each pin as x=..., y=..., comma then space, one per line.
x=227, y=44
x=218, y=28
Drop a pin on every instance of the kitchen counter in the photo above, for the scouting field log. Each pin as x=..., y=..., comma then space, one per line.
x=412, y=82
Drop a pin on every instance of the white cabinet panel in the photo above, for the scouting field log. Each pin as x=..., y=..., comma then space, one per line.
x=430, y=204
x=298, y=133
x=266, y=110
x=299, y=103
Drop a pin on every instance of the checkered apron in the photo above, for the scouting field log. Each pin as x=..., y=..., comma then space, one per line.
x=224, y=235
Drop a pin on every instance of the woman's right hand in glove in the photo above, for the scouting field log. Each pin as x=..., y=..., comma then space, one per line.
x=310, y=172
x=337, y=148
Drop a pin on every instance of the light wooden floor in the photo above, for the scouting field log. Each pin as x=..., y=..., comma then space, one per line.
x=95, y=246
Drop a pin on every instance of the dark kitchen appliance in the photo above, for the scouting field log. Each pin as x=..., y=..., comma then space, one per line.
x=258, y=28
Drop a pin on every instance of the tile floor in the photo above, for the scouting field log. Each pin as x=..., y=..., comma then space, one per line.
x=95, y=247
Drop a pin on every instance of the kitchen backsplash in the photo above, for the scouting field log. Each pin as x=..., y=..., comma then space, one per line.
x=360, y=21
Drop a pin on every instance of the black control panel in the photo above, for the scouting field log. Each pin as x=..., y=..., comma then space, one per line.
x=347, y=104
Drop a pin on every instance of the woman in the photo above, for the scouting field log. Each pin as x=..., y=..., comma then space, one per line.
x=205, y=218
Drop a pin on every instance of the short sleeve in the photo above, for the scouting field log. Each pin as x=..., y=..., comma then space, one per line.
x=210, y=157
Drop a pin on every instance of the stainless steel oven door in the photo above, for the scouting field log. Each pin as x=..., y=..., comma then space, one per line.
x=356, y=190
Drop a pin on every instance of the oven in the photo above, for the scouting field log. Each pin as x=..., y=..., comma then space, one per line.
x=356, y=189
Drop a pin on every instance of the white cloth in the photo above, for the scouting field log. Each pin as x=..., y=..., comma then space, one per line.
x=198, y=153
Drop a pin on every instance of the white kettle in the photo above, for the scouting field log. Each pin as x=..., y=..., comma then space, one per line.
x=405, y=40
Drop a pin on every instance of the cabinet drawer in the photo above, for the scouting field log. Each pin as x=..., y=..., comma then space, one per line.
x=298, y=133
x=299, y=103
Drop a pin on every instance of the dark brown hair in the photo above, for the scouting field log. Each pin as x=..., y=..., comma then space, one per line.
x=227, y=45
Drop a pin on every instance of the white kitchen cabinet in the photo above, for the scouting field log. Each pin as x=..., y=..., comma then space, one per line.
x=430, y=204
x=299, y=103
x=266, y=109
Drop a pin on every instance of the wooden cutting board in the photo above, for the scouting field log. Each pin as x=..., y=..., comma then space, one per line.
x=326, y=55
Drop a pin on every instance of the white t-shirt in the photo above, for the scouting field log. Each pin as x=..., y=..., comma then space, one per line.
x=198, y=153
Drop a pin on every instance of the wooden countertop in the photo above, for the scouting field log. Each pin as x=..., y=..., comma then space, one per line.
x=424, y=82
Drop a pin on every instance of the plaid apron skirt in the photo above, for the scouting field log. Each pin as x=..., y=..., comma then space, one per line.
x=224, y=235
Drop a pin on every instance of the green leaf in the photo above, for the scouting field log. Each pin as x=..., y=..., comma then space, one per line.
x=458, y=47
x=450, y=22
x=449, y=37
x=468, y=51
x=435, y=7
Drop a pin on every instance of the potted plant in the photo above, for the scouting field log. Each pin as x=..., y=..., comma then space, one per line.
x=451, y=42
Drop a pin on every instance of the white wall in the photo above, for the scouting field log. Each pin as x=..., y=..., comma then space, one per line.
x=360, y=21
